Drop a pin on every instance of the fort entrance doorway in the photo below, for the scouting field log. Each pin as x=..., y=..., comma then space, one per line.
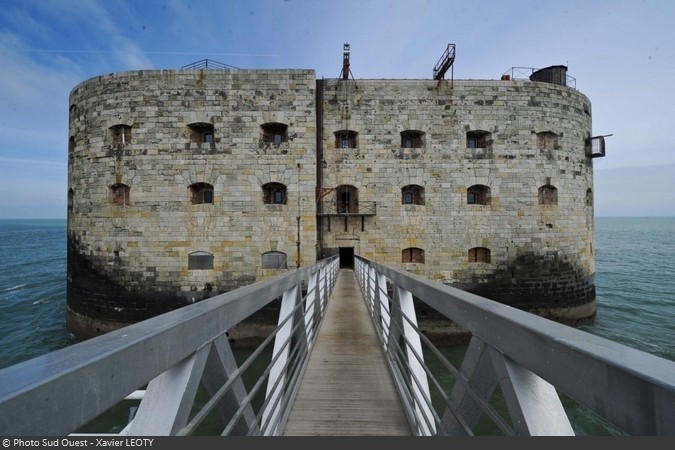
x=346, y=257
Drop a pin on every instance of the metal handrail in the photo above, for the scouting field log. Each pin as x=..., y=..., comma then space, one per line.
x=207, y=64
x=345, y=208
x=524, y=73
x=171, y=354
x=531, y=360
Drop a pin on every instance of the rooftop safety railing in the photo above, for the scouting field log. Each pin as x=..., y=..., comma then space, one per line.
x=520, y=375
x=176, y=374
x=207, y=64
x=524, y=73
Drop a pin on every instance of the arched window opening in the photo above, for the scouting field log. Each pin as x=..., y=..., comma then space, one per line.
x=71, y=200
x=274, y=132
x=120, y=194
x=478, y=194
x=412, y=139
x=412, y=195
x=346, y=139
x=548, y=195
x=121, y=134
x=274, y=193
x=589, y=197
x=274, y=260
x=200, y=261
x=201, y=193
x=412, y=255
x=347, y=198
x=479, y=255
x=478, y=139
x=547, y=140
x=201, y=132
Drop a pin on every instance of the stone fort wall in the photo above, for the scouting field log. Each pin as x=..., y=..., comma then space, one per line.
x=541, y=252
x=484, y=185
x=129, y=258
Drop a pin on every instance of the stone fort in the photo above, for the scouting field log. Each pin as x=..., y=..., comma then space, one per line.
x=186, y=183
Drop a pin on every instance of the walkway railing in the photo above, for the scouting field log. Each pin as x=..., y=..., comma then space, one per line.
x=162, y=361
x=516, y=369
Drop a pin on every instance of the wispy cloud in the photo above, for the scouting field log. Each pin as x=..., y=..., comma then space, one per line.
x=31, y=162
x=260, y=55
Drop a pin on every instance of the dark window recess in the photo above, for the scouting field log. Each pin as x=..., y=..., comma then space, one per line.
x=119, y=194
x=346, y=139
x=547, y=140
x=412, y=139
x=274, y=132
x=412, y=255
x=589, y=197
x=347, y=198
x=412, y=195
x=201, y=193
x=274, y=194
x=274, y=260
x=201, y=132
x=479, y=254
x=200, y=261
x=478, y=194
x=71, y=200
x=121, y=134
x=478, y=139
x=548, y=195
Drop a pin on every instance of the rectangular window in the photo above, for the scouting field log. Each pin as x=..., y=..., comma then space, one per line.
x=274, y=260
x=200, y=261
x=208, y=196
x=479, y=254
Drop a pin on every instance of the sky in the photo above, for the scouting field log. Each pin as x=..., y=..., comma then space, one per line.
x=621, y=53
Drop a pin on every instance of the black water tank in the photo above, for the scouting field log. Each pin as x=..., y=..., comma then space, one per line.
x=552, y=74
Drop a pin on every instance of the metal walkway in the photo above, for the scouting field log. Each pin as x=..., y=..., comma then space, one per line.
x=347, y=388
x=334, y=371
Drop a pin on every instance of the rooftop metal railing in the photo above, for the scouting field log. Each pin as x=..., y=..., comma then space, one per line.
x=163, y=361
x=207, y=64
x=524, y=73
x=521, y=373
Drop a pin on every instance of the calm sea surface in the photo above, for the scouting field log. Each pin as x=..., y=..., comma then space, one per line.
x=635, y=282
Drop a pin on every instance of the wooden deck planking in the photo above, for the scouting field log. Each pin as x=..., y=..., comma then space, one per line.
x=347, y=388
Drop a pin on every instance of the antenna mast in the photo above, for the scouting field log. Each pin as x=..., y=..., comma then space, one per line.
x=346, y=71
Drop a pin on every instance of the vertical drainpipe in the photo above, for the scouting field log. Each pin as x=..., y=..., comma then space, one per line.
x=298, y=258
x=319, y=166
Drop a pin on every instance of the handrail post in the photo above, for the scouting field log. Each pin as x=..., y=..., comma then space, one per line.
x=414, y=346
x=282, y=349
x=312, y=304
x=371, y=277
x=382, y=302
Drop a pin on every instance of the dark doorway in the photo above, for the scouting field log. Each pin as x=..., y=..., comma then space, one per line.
x=346, y=257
